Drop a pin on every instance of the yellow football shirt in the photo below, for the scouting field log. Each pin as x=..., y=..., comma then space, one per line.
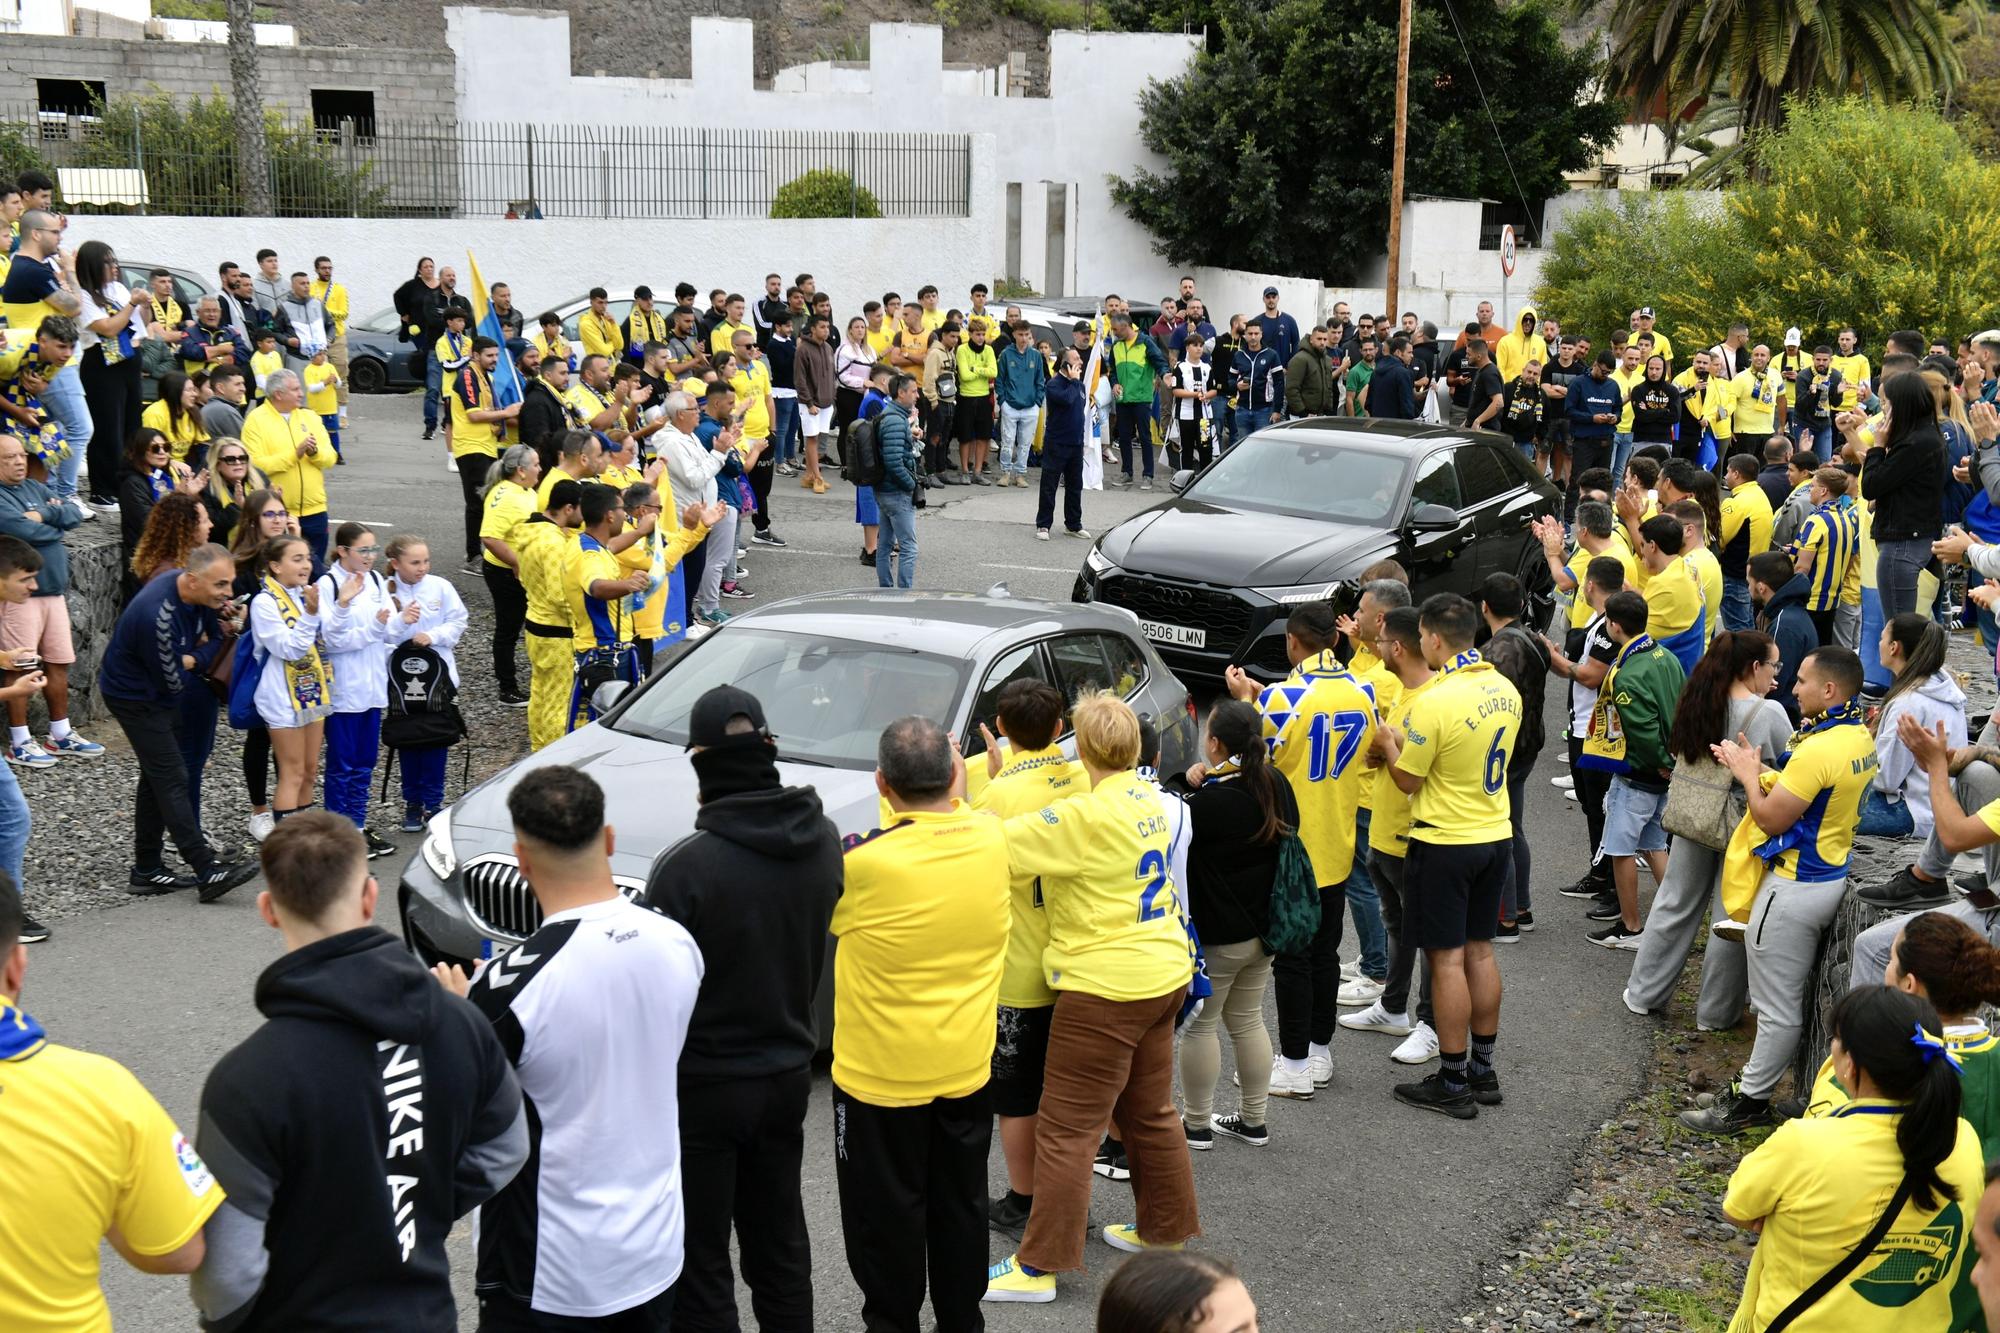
x=544, y=550
x=723, y=336
x=1317, y=723
x=1626, y=383
x=548, y=483
x=321, y=395
x=600, y=335
x=1117, y=928
x=585, y=405
x=1459, y=737
x=1747, y=521
x=1707, y=571
x=181, y=435
x=1853, y=370
x=88, y=1148
x=599, y=622
x=1830, y=770
x=263, y=365
x=1579, y=566
x=1675, y=612
x=508, y=508
x=1756, y=397
x=1389, y=826
x=917, y=973
x=470, y=389
x=753, y=386
x=1027, y=781
x=1833, y=535
x=1385, y=689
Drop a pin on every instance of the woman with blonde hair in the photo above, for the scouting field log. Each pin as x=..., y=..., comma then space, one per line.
x=1119, y=958
x=231, y=478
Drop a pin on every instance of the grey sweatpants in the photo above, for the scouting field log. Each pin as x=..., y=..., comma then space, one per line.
x=721, y=559
x=1694, y=874
x=1782, y=943
x=1975, y=786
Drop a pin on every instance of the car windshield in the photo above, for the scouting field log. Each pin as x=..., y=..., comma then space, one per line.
x=1305, y=473
x=826, y=700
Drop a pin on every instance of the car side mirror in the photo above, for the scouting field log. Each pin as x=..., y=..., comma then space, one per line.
x=1433, y=518
x=606, y=696
x=1182, y=478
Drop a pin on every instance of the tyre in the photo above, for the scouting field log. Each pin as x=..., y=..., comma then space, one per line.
x=367, y=375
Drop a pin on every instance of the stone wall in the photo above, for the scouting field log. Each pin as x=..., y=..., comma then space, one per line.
x=95, y=566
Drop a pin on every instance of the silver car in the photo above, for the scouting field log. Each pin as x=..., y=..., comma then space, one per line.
x=831, y=669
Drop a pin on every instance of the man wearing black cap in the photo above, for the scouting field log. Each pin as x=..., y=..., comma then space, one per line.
x=1281, y=331
x=755, y=884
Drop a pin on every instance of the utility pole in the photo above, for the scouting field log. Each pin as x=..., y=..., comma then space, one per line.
x=253, y=150
x=1389, y=303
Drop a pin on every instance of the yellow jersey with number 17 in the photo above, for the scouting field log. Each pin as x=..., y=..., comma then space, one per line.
x=1459, y=738
x=1117, y=929
x=1026, y=782
x=1317, y=723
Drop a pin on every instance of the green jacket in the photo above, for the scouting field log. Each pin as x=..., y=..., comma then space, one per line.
x=1309, y=384
x=1137, y=365
x=1648, y=691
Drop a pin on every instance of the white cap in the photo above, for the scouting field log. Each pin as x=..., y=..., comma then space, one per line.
x=1792, y=337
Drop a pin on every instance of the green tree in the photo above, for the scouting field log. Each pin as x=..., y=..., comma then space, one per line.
x=1291, y=120
x=1670, y=54
x=825, y=193
x=1823, y=238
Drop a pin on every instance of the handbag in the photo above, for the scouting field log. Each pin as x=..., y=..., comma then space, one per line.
x=1704, y=803
x=1834, y=1276
x=221, y=672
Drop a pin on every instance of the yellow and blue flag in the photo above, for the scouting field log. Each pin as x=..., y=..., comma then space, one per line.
x=486, y=323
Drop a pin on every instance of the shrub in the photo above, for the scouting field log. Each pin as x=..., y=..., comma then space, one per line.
x=825, y=193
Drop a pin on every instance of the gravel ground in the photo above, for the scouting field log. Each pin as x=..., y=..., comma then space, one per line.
x=1640, y=1241
x=92, y=800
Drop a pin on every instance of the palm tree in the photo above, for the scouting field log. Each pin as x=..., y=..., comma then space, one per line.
x=1668, y=54
x=253, y=150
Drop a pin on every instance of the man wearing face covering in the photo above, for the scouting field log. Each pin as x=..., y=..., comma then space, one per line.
x=755, y=884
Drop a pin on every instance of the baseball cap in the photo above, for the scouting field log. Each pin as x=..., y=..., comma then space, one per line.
x=1792, y=337
x=708, y=724
x=1081, y=326
x=1270, y=291
x=642, y=293
x=1989, y=336
x=1645, y=312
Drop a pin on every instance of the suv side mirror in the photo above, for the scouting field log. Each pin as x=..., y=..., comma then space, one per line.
x=1433, y=518
x=1182, y=478
x=606, y=696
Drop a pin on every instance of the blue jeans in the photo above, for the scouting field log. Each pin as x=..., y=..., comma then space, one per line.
x=1223, y=418
x=1883, y=818
x=1364, y=904
x=1250, y=420
x=784, y=427
x=14, y=825
x=1621, y=449
x=352, y=743
x=65, y=402
x=423, y=776
x=1819, y=439
x=313, y=528
x=899, y=532
x=433, y=388
x=1736, y=612
x=1017, y=437
x=1527, y=448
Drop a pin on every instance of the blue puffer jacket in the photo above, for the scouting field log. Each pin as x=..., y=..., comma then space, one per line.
x=892, y=437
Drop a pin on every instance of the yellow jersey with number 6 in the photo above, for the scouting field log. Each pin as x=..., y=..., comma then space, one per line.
x=1461, y=734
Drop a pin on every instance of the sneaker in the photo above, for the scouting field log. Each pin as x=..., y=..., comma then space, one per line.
x=697, y=631
x=1198, y=1140
x=742, y=552
x=413, y=819
x=981, y=479
x=1571, y=795
x=1319, y=1068
x=1146, y=485
x=738, y=574
x=32, y=931
x=1507, y=932
x=1526, y=921
x=226, y=876
x=1632, y=1005
x=514, y=698
x=737, y=592
x=84, y=512
x=1080, y=532
x=1431, y=1094
x=1618, y=935
x=73, y=746
x=1351, y=970
x=102, y=506
x=430, y=432
x=1294, y=1086
x=1905, y=892
x=1008, y=1213
x=1485, y=1088
x=1360, y=991
x=1235, y=1127
x=377, y=844
x=1041, y=534
x=767, y=539
x=1583, y=888
x=1420, y=1047
x=261, y=824
x=1606, y=909
x=471, y=567
x=1730, y=1113
x=1565, y=782
x=146, y=881
x=1727, y=929
x=868, y=559
x=451, y=465
x=1375, y=1018
x=1125, y=1236
x=715, y=619
x=1788, y=1108
x=1111, y=1163
x=1006, y=1282
x=28, y=754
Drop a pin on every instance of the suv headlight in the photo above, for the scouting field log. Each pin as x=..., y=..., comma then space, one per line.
x=1298, y=596
x=1097, y=562
x=439, y=854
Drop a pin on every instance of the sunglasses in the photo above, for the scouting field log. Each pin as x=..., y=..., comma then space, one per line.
x=232, y=458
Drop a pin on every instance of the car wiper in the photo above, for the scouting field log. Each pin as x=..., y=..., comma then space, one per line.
x=804, y=759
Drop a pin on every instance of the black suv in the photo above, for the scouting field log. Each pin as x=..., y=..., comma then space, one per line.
x=1295, y=513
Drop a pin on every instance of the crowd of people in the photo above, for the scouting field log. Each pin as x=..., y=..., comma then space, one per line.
x=1762, y=563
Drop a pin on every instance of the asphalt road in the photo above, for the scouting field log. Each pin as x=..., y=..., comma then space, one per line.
x=1361, y=1214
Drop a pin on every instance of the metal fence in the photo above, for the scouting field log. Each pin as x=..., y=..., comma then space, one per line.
x=150, y=158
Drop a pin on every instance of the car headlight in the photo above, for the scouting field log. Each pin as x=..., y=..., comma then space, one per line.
x=1296, y=596
x=1097, y=562
x=439, y=854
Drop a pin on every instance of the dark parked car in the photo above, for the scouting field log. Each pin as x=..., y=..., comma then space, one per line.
x=1295, y=513
x=377, y=360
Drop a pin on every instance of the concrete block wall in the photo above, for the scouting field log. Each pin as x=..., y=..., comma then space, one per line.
x=96, y=569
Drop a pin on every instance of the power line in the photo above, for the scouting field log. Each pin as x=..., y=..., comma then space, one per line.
x=1519, y=193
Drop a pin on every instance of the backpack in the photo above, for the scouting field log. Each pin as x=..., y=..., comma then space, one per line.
x=946, y=382
x=1295, y=913
x=246, y=671
x=423, y=703
x=861, y=454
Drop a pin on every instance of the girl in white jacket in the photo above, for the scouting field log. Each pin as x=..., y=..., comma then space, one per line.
x=1899, y=804
x=355, y=617
x=428, y=612
x=294, y=683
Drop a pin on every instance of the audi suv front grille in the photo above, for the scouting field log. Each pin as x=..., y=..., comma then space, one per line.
x=1224, y=615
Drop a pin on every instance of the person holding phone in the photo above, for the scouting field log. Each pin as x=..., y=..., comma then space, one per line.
x=1062, y=448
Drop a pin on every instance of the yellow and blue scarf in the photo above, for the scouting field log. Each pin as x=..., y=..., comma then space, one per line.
x=1604, y=748
x=1750, y=851
x=309, y=679
x=20, y=1035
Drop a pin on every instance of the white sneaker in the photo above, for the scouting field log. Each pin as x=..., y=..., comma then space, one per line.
x=1626, y=995
x=1727, y=929
x=1375, y=1018
x=84, y=511
x=1041, y=534
x=1284, y=1083
x=1420, y=1047
x=1358, y=992
x=261, y=825
x=1319, y=1068
x=451, y=465
x=1570, y=793
x=1565, y=782
x=1351, y=971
